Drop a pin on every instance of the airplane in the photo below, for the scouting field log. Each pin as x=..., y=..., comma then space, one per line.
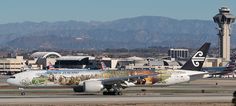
x=111, y=82
x=229, y=68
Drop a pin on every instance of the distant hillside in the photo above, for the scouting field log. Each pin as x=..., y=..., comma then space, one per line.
x=137, y=32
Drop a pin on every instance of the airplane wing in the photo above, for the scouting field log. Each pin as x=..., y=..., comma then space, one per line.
x=119, y=80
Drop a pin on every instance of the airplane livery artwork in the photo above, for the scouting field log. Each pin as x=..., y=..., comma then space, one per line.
x=73, y=78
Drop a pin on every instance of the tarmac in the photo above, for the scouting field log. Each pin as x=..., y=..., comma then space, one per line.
x=93, y=99
x=100, y=100
x=204, y=92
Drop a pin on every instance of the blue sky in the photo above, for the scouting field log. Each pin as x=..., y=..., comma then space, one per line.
x=107, y=10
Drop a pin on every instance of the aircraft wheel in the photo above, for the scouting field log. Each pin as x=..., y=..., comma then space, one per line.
x=22, y=93
x=115, y=93
x=106, y=93
x=112, y=93
x=120, y=93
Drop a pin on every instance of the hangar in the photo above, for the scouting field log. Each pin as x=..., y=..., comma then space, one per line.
x=44, y=59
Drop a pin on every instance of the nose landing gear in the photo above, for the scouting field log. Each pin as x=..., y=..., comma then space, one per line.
x=22, y=91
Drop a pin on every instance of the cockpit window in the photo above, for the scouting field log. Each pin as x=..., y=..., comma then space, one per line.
x=12, y=77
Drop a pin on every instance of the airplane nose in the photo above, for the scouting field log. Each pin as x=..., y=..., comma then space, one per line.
x=11, y=81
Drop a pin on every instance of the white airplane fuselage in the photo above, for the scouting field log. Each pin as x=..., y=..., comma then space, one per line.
x=71, y=78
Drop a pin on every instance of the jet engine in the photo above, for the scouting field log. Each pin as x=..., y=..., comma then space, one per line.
x=89, y=86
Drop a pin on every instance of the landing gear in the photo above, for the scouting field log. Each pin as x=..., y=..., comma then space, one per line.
x=22, y=91
x=114, y=90
x=112, y=93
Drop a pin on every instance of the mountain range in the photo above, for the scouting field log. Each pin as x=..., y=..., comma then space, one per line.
x=136, y=32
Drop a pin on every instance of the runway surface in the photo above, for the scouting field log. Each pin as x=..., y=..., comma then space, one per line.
x=95, y=100
x=114, y=99
x=199, y=93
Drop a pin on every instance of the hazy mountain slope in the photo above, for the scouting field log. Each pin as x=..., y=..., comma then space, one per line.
x=137, y=32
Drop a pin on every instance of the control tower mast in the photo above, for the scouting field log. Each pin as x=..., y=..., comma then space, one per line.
x=224, y=19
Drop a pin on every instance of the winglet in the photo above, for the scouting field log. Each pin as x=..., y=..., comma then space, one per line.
x=197, y=60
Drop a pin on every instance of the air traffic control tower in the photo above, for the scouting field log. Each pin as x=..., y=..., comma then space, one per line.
x=224, y=19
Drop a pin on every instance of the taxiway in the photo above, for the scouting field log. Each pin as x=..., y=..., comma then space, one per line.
x=205, y=92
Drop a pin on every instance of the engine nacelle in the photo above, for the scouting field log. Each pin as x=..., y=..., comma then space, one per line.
x=89, y=86
x=93, y=86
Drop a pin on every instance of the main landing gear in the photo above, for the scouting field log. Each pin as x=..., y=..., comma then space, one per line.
x=114, y=90
x=112, y=93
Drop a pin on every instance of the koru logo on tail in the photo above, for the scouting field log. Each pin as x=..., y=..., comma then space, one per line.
x=197, y=58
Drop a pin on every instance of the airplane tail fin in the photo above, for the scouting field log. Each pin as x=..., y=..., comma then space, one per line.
x=197, y=60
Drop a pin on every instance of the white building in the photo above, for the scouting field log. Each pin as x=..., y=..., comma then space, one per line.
x=12, y=65
x=178, y=53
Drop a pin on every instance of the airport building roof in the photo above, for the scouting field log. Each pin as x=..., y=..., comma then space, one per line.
x=45, y=55
x=135, y=58
x=75, y=57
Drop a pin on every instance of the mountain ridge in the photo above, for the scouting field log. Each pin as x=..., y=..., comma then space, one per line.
x=135, y=32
